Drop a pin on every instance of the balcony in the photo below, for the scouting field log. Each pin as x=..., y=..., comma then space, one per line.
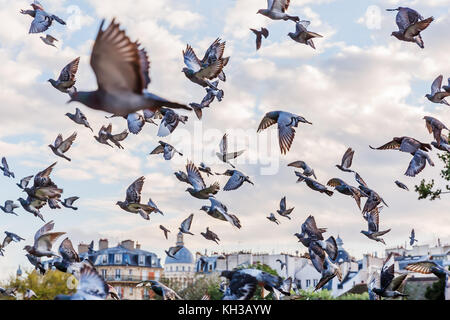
x=124, y=278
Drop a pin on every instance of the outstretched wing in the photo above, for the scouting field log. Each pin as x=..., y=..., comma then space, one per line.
x=69, y=71
x=195, y=177
x=191, y=60
x=67, y=251
x=67, y=143
x=436, y=86
x=134, y=191
x=186, y=224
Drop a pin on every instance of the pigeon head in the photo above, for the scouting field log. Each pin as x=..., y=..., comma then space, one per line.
x=397, y=34
x=261, y=11
x=53, y=82
x=28, y=249
x=187, y=71
x=205, y=208
x=227, y=274
x=291, y=35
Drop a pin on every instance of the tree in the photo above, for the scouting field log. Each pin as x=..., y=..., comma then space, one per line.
x=437, y=290
x=426, y=189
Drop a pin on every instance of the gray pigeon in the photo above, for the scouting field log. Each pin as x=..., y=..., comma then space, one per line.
x=5, y=168
x=302, y=35
x=373, y=220
x=346, y=161
x=412, y=238
x=212, y=93
x=173, y=251
x=404, y=144
x=49, y=40
x=186, y=225
x=418, y=163
x=223, y=155
x=10, y=237
x=9, y=292
x=259, y=34
x=276, y=10
x=435, y=127
x=42, y=20
x=36, y=262
x=388, y=283
x=401, y=185
x=170, y=122
x=68, y=203
x=165, y=230
x=122, y=72
x=199, y=189
x=24, y=182
x=431, y=267
x=160, y=289
x=284, y=212
x=444, y=145
x=272, y=218
x=219, y=211
x=307, y=170
x=43, y=241
x=66, y=81
x=33, y=206
x=166, y=149
x=437, y=95
x=236, y=180
x=105, y=135
x=312, y=184
x=79, y=118
x=203, y=168
x=60, y=147
x=209, y=235
x=345, y=188
x=9, y=207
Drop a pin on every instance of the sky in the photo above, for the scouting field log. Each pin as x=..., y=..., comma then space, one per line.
x=360, y=87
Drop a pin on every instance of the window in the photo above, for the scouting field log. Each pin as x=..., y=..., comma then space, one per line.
x=118, y=258
x=117, y=274
x=130, y=272
x=183, y=268
x=105, y=259
x=104, y=274
x=308, y=283
x=141, y=259
x=210, y=267
x=131, y=291
x=316, y=282
x=176, y=268
x=299, y=284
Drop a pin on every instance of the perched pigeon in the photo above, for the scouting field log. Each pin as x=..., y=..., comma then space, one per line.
x=437, y=95
x=168, y=150
x=133, y=198
x=60, y=147
x=5, y=168
x=401, y=185
x=312, y=184
x=223, y=155
x=284, y=212
x=276, y=10
x=203, y=168
x=43, y=241
x=66, y=81
x=302, y=35
x=236, y=181
x=199, y=189
x=79, y=118
x=373, y=220
x=418, y=163
x=173, y=251
x=68, y=203
x=165, y=230
x=9, y=207
x=345, y=188
x=165, y=292
x=435, y=127
x=272, y=218
x=42, y=20
x=307, y=170
x=286, y=122
x=209, y=235
x=49, y=40
x=10, y=237
x=412, y=238
x=122, y=72
x=259, y=34
x=24, y=182
x=388, y=283
x=186, y=225
x=346, y=161
x=410, y=24
x=219, y=211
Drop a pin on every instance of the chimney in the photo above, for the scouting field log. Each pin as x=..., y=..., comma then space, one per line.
x=103, y=244
x=128, y=244
x=83, y=248
x=138, y=246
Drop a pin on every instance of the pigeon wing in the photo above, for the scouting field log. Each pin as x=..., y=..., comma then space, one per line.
x=134, y=191
x=317, y=256
x=45, y=229
x=41, y=22
x=265, y=123
x=347, y=159
x=66, y=144
x=67, y=251
x=69, y=71
x=45, y=242
x=91, y=283
x=436, y=86
x=234, y=182
x=387, y=272
x=335, y=182
x=186, y=224
x=191, y=60
x=195, y=177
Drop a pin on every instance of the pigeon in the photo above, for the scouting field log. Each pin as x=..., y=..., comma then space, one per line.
x=68, y=203
x=79, y=118
x=168, y=150
x=49, y=40
x=60, y=147
x=401, y=185
x=412, y=238
x=165, y=292
x=29, y=294
x=122, y=72
x=112, y=292
x=170, y=122
x=345, y=188
x=373, y=200
x=373, y=233
x=133, y=198
x=32, y=206
x=223, y=155
x=284, y=212
x=302, y=35
x=92, y=286
x=388, y=284
x=259, y=34
x=435, y=126
x=43, y=241
x=444, y=145
x=5, y=168
x=182, y=176
x=9, y=292
x=214, y=53
x=236, y=181
x=307, y=170
x=347, y=160
x=136, y=120
x=105, y=135
x=173, y=251
x=410, y=24
x=24, y=182
x=310, y=230
x=198, y=109
x=9, y=207
x=165, y=230
x=42, y=20
x=273, y=218
x=312, y=184
x=418, y=163
x=71, y=262
x=286, y=122
x=404, y=144
x=431, y=267
x=186, y=225
x=437, y=95
x=219, y=211
x=199, y=189
x=276, y=10
x=212, y=93
x=209, y=235
x=66, y=81
x=36, y=262
x=43, y=187
x=282, y=264
x=203, y=168
x=323, y=264
x=10, y=237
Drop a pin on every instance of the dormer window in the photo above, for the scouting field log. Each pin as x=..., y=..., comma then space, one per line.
x=105, y=259
x=141, y=260
x=118, y=258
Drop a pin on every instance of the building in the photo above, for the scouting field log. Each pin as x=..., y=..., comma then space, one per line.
x=181, y=268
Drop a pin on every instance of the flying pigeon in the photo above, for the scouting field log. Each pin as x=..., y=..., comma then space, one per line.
x=43, y=187
x=182, y=176
x=273, y=218
x=173, y=251
x=431, y=267
x=199, y=189
x=212, y=93
x=410, y=24
x=66, y=81
x=312, y=184
x=42, y=20
x=388, y=283
x=276, y=10
x=5, y=168
x=165, y=230
x=71, y=262
x=60, y=147
x=307, y=170
x=198, y=109
x=10, y=237
x=9, y=292
x=24, y=182
x=170, y=122
x=284, y=212
x=112, y=292
x=404, y=144
x=259, y=34
x=435, y=127
x=310, y=230
x=165, y=292
x=373, y=220
x=49, y=40
x=168, y=150
x=345, y=188
x=68, y=203
x=412, y=238
x=286, y=122
x=223, y=155
x=29, y=294
x=401, y=185
x=136, y=120
x=437, y=95
x=186, y=225
x=32, y=206
x=122, y=72
x=209, y=235
x=236, y=181
x=418, y=163
x=36, y=262
x=43, y=241
x=105, y=135
x=215, y=52
x=302, y=35
x=133, y=198
x=323, y=264
x=444, y=145
x=347, y=160
x=219, y=211
x=203, y=168
x=9, y=207
x=79, y=118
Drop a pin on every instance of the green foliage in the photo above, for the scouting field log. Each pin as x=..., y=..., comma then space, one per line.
x=426, y=189
x=436, y=290
x=204, y=285
x=326, y=295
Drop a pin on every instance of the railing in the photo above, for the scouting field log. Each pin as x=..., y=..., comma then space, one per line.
x=124, y=278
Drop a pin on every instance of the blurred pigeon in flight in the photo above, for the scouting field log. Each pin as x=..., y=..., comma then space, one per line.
x=388, y=283
x=431, y=267
x=60, y=147
x=170, y=122
x=186, y=225
x=9, y=207
x=259, y=34
x=307, y=170
x=10, y=237
x=219, y=211
x=168, y=150
x=276, y=10
x=272, y=218
x=43, y=241
x=236, y=180
x=32, y=206
x=302, y=35
x=401, y=185
x=36, y=262
x=49, y=40
x=435, y=127
x=404, y=144
x=209, y=235
x=66, y=81
x=437, y=95
x=42, y=20
x=24, y=182
x=224, y=155
x=29, y=294
x=5, y=168
x=165, y=230
x=345, y=188
x=79, y=118
x=68, y=203
x=205, y=169
x=412, y=238
x=173, y=251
